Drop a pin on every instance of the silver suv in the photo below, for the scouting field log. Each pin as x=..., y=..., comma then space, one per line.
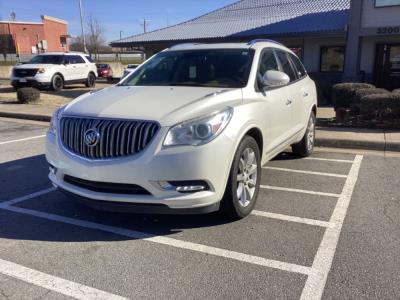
x=55, y=70
x=187, y=131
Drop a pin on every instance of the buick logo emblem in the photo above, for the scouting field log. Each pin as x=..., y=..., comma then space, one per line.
x=91, y=137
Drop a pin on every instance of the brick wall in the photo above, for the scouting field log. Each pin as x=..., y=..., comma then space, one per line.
x=53, y=31
x=26, y=36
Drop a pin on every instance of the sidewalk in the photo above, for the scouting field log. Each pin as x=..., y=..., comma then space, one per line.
x=353, y=138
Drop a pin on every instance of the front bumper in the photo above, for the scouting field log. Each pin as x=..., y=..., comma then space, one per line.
x=36, y=81
x=210, y=163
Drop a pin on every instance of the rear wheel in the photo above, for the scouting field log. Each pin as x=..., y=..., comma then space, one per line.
x=244, y=181
x=91, y=80
x=306, y=146
x=57, y=83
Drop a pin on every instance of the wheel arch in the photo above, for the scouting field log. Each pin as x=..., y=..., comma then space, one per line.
x=256, y=134
x=58, y=73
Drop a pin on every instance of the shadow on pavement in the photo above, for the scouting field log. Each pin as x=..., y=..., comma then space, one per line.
x=24, y=176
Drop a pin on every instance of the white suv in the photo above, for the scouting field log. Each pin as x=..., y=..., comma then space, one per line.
x=187, y=131
x=55, y=70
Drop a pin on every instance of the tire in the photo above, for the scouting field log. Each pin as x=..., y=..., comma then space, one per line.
x=91, y=80
x=305, y=147
x=234, y=206
x=57, y=82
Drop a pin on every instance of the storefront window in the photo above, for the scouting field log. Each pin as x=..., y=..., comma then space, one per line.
x=332, y=59
x=383, y=3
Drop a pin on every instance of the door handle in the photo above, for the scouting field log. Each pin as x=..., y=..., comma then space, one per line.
x=288, y=102
x=305, y=94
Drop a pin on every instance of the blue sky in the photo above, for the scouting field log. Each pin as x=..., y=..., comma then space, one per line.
x=115, y=15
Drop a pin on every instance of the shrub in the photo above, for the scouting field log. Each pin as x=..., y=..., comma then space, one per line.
x=28, y=95
x=380, y=105
x=343, y=93
x=358, y=94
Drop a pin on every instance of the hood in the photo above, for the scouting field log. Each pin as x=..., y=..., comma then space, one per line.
x=167, y=105
x=34, y=66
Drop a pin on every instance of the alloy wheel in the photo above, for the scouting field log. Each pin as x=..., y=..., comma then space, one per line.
x=246, y=177
x=310, y=134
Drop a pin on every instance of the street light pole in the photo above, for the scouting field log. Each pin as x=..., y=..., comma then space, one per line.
x=83, y=35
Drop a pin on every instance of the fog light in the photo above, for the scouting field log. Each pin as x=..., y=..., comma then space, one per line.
x=190, y=188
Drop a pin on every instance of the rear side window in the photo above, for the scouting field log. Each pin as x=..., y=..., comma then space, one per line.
x=286, y=65
x=89, y=58
x=76, y=59
x=301, y=71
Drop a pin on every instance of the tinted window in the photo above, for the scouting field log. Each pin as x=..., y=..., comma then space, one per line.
x=301, y=71
x=47, y=59
x=332, y=59
x=211, y=68
x=285, y=64
x=75, y=59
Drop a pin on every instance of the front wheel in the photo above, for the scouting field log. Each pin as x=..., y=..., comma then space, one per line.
x=91, y=80
x=305, y=147
x=57, y=83
x=244, y=181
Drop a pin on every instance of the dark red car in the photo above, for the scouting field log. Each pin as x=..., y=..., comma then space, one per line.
x=104, y=71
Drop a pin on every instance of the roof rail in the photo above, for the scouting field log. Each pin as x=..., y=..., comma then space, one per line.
x=252, y=42
x=184, y=44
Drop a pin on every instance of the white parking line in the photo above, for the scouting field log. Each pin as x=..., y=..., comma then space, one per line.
x=278, y=188
x=306, y=172
x=292, y=218
x=315, y=283
x=27, y=197
x=256, y=260
x=330, y=159
x=24, y=139
x=53, y=283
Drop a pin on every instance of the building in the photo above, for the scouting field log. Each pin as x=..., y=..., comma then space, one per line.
x=357, y=40
x=27, y=38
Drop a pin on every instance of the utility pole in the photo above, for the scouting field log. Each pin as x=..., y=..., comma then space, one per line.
x=83, y=34
x=143, y=22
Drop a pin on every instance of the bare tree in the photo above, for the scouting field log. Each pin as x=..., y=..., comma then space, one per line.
x=95, y=35
x=76, y=44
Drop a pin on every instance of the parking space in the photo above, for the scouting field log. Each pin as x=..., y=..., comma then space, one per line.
x=284, y=250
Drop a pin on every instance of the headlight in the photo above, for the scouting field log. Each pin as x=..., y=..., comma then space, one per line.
x=41, y=70
x=54, y=120
x=199, y=131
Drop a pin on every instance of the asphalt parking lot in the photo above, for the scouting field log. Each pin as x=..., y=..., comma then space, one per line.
x=324, y=227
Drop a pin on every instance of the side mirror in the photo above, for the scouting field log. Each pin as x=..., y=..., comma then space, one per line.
x=272, y=79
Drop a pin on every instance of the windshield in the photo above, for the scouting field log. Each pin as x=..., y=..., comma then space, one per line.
x=208, y=68
x=47, y=59
x=102, y=66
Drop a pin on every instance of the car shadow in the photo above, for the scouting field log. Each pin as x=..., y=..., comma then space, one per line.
x=20, y=226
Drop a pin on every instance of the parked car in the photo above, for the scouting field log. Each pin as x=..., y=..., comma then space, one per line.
x=104, y=71
x=187, y=132
x=55, y=70
x=129, y=69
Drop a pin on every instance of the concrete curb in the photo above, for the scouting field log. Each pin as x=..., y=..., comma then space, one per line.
x=352, y=144
x=33, y=117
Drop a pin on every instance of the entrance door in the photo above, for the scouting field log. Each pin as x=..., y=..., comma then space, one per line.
x=387, y=66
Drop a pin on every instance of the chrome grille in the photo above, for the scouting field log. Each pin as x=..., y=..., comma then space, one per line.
x=116, y=137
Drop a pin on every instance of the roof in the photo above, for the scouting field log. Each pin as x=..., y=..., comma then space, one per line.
x=255, y=17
